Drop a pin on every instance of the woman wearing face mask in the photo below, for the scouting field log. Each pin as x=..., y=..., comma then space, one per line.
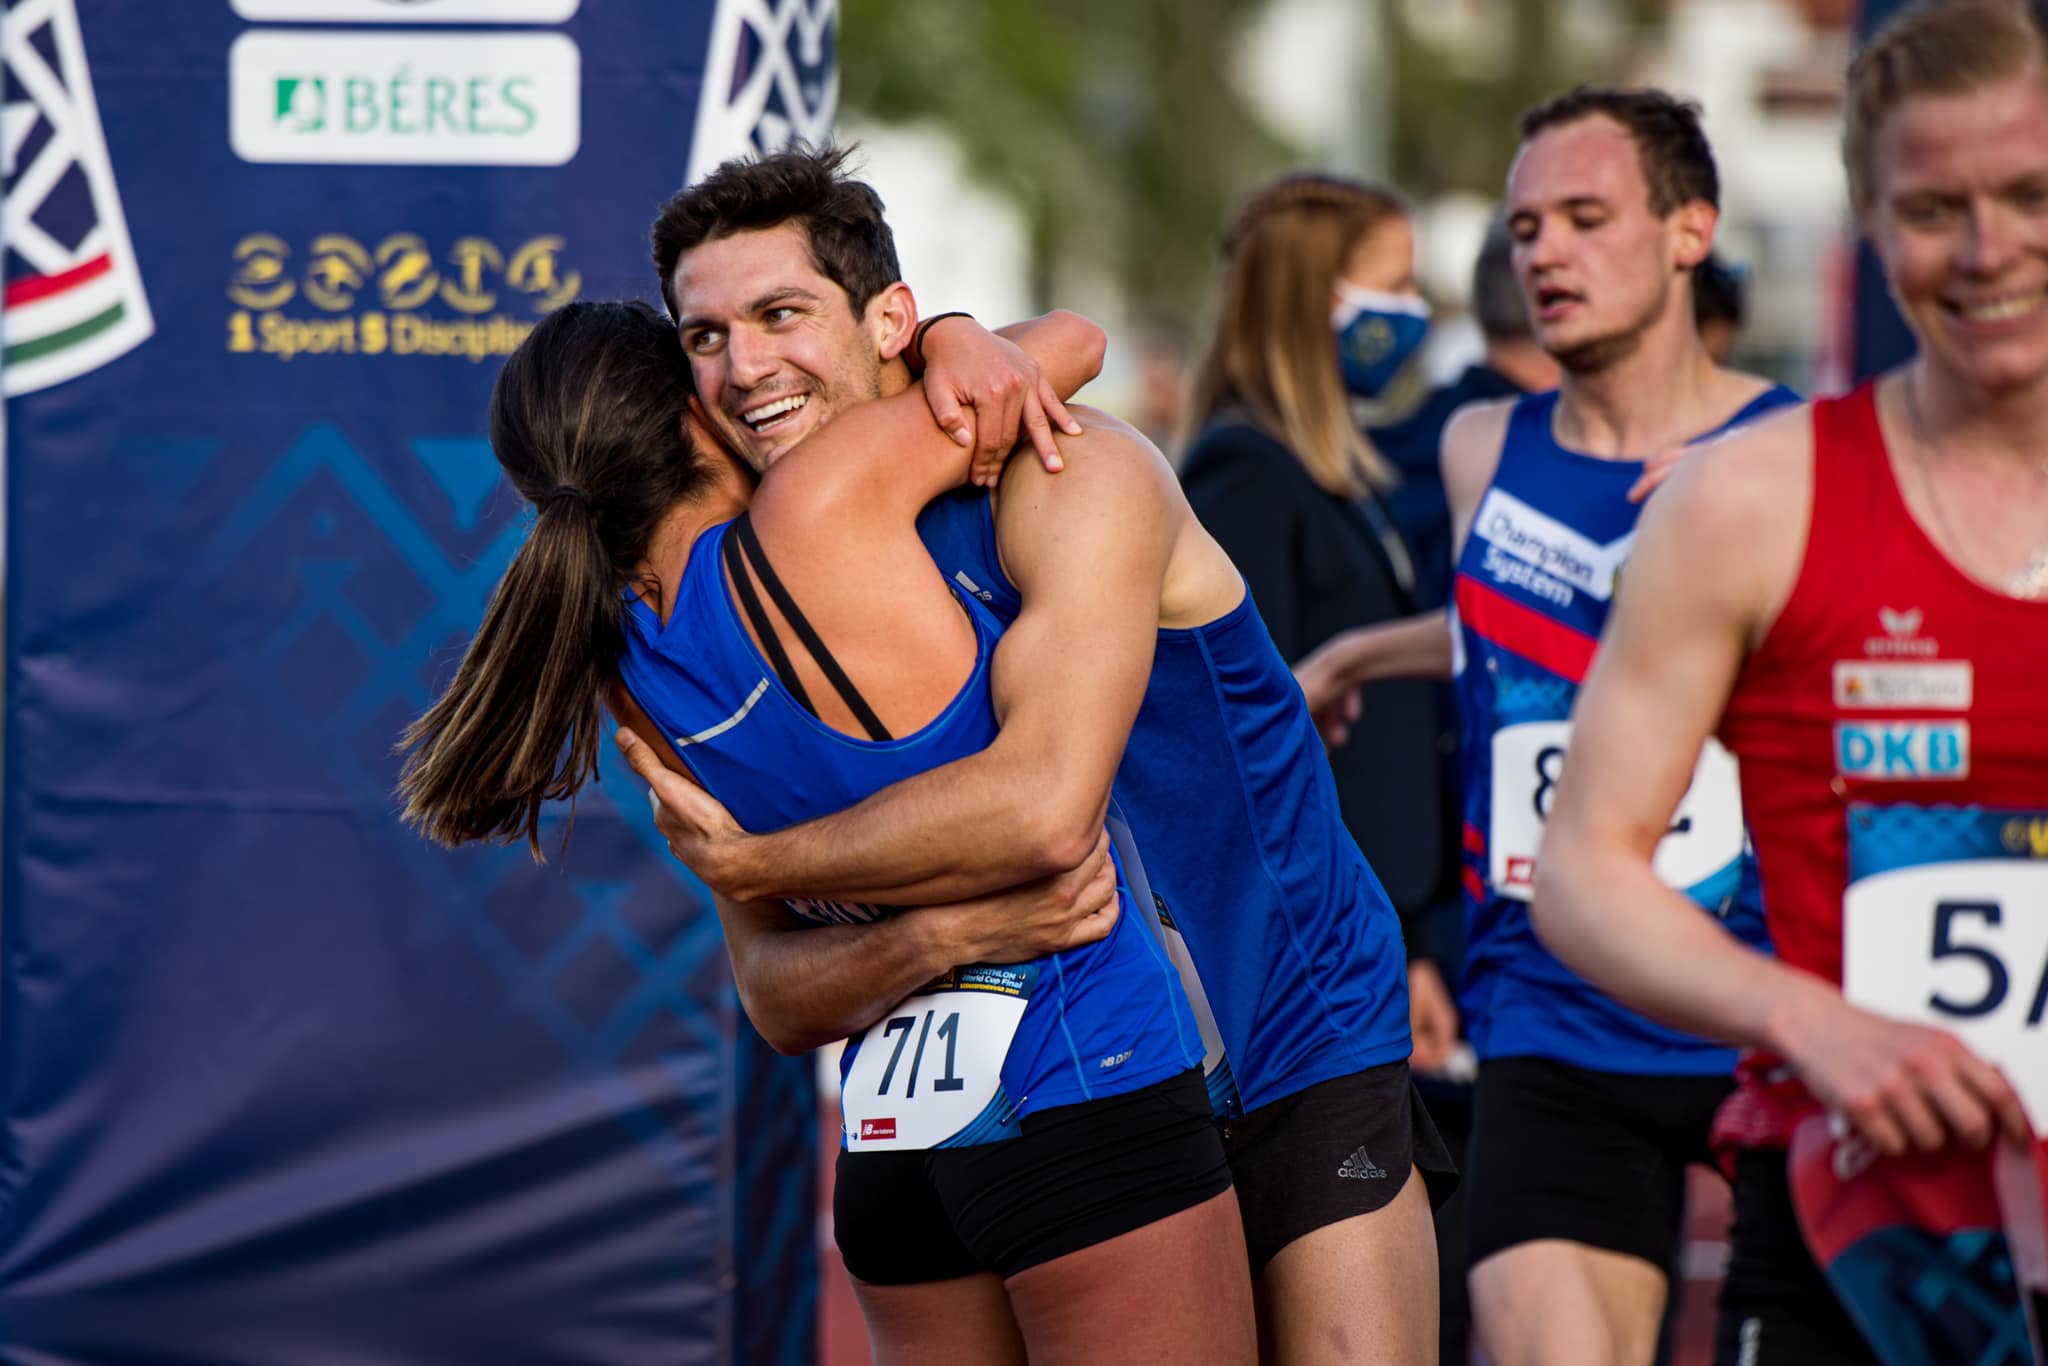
x=1319, y=306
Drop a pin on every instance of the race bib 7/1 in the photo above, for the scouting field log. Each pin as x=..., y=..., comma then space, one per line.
x=932, y=1071
x=1700, y=855
x=1945, y=923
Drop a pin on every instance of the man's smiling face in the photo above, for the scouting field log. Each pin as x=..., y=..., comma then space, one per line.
x=774, y=345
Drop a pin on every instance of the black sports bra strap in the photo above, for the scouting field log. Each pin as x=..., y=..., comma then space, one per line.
x=750, y=544
x=750, y=601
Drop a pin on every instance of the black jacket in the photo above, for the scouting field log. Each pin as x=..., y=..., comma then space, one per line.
x=1317, y=564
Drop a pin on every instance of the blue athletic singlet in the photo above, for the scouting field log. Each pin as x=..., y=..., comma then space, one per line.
x=961, y=1061
x=1227, y=794
x=1531, y=594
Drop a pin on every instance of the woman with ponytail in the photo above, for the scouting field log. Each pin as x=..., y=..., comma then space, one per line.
x=587, y=420
x=1045, y=1158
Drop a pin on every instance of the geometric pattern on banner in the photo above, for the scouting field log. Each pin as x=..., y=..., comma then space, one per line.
x=771, y=78
x=373, y=681
x=73, y=297
x=1926, y=1297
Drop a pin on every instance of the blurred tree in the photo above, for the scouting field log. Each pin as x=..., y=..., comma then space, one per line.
x=1113, y=124
x=1463, y=71
x=1119, y=130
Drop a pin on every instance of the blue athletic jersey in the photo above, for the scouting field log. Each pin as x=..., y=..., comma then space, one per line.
x=1532, y=591
x=1229, y=798
x=1100, y=1020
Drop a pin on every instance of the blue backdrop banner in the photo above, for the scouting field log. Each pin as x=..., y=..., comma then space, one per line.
x=281, y=1083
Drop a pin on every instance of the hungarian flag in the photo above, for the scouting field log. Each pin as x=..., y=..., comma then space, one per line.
x=73, y=297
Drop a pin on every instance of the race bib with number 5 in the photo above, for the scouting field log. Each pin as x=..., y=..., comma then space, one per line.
x=1700, y=855
x=932, y=1072
x=1945, y=923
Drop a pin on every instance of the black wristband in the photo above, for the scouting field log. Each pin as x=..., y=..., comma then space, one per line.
x=913, y=354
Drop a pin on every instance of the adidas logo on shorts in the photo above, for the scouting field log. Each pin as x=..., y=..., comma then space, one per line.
x=1359, y=1167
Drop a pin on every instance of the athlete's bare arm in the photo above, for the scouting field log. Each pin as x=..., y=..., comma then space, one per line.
x=1417, y=646
x=1716, y=558
x=1089, y=551
x=806, y=985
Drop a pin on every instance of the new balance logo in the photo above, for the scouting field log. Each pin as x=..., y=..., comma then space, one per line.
x=1359, y=1167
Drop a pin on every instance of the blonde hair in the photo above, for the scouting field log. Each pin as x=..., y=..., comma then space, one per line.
x=1937, y=47
x=1273, y=353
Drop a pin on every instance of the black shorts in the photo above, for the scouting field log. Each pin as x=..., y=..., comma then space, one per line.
x=1330, y=1151
x=1079, y=1175
x=1591, y=1157
x=1776, y=1306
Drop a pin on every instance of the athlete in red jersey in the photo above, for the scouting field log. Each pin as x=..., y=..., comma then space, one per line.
x=1856, y=593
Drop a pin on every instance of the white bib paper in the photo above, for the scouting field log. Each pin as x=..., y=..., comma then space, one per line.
x=1961, y=945
x=1705, y=837
x=935, y=1064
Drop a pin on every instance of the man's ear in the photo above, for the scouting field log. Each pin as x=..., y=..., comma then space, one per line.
x=892, y=320
x=1692, y=227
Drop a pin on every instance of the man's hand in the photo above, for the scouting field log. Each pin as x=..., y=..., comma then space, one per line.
x=1331, y=684
x=1029, y=921
x=1904, y=1085
x=699, y=831
x=1334, y=719
x=1331, y=674
x=983, y=389
x=1326, y=684
x=1432, y=1017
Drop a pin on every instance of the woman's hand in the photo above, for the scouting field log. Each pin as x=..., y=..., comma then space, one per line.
x=984, y=390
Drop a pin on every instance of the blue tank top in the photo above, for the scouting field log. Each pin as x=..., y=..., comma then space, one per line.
x=1531, y=593
x=1101, y=1020
x=1228, y=796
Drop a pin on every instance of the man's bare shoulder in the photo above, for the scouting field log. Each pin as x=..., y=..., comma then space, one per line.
x=1735, y=514
x=1480, y=424
x=1109, y=458
x=1468, y=454
x=1743, y=387
x=1471, y=442
x=1749, y=470
x=1117, y=496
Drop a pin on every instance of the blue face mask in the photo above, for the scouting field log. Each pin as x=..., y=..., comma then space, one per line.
x=1376, y=334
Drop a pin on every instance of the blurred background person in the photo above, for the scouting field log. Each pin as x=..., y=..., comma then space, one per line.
x=1318, y=306
x=1720, y=298
x=1512, y=364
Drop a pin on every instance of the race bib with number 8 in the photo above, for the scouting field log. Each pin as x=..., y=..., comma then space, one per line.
x=1700, y=855
x=934, y=1068
x=1945, y=923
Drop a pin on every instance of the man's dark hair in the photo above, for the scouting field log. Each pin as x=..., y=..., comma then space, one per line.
x=1678, y=165
x=1497, y=302
x=1719, y=291
x=851, y=244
